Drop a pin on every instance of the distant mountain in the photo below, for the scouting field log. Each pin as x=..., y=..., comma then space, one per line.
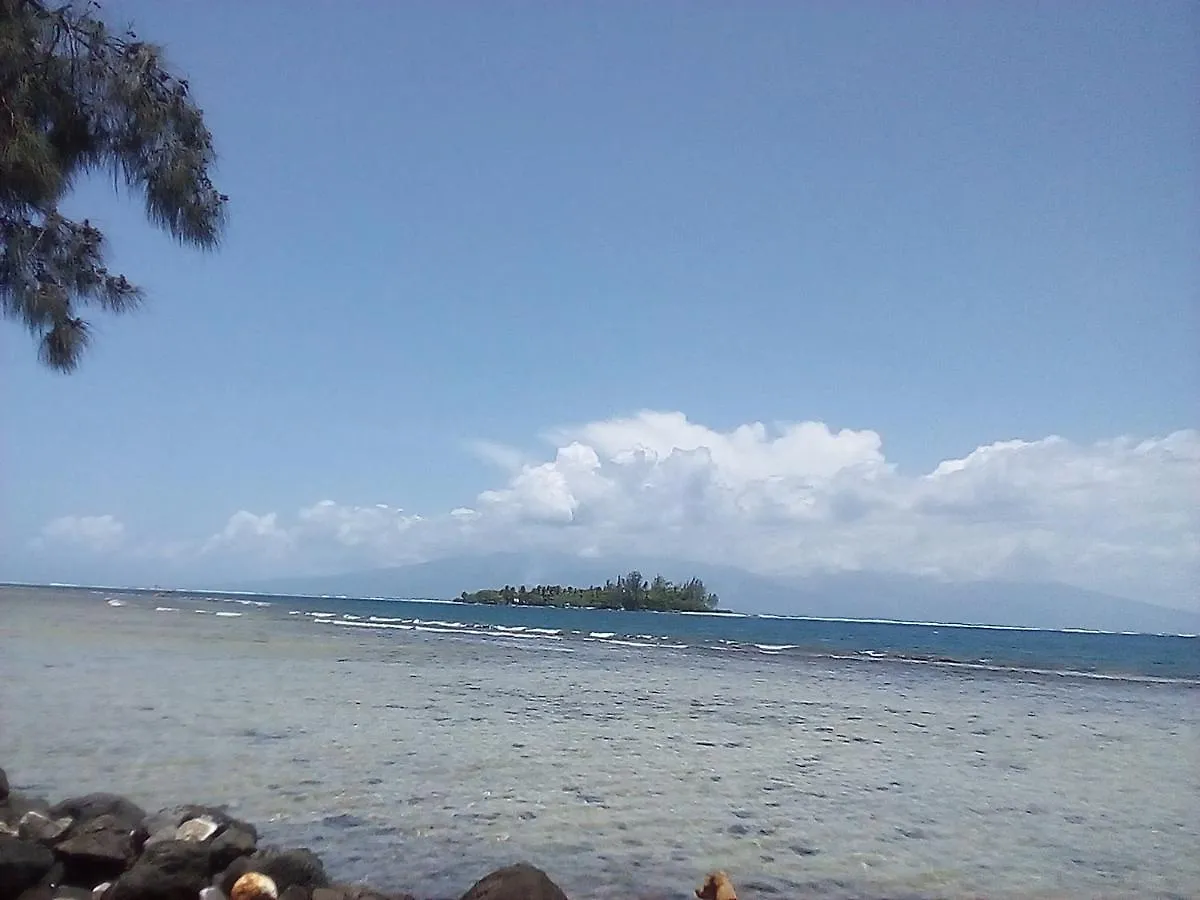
x=849, y=595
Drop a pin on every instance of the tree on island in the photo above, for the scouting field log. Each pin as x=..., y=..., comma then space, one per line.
x=76, y=98
x=629, y=591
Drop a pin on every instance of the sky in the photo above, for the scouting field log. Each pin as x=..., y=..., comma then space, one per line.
x=792, y=287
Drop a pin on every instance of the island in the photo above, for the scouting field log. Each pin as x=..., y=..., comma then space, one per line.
x=629, y=591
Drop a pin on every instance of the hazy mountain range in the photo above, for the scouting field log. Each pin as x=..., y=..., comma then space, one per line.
x=850, y=595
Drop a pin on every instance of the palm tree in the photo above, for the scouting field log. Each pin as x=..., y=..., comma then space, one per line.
x=76, y=98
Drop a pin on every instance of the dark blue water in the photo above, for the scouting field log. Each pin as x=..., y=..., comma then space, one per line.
x=1099, y=654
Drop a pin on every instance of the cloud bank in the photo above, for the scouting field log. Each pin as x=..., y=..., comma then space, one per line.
x=1121, y=515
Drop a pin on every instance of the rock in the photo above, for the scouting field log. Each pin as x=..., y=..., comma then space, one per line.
x=72, y=893
x=13, y=807
x=235, y=841
x=37, y=826
x=100, y=890
x=98, y=850
x=295, y=892
x=354, y=892
x=197, y=830
x=93, y=806
x=170, y=870
x=519, y=882
x=212, y=893
x=165, y=824
x=3, y=785
x=284, y=867
x=22, y=865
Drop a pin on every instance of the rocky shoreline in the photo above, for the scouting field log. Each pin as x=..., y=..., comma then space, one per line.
x=105, y=847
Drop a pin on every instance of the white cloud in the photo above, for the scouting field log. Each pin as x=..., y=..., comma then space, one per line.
x=87, y=532
x=1121, y=515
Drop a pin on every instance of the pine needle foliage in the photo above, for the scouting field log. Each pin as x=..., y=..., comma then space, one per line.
x=77, y=98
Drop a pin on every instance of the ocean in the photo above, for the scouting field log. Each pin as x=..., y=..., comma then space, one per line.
x=418, y=745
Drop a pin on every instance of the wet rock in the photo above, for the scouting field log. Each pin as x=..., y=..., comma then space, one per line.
x=295, y=892
x=3, y=785
x=22, y=865
x=94, y=806
x=16, y=805
x=519, y=882
x=355, y=892
x=237, y=840
x=285, y=867
x=37, y=826
x=170, y=870
x=100, y=890
x=98, y=850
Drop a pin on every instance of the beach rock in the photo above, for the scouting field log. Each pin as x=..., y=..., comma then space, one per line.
x=99, y=849
x=16, y=805
x=165, y=825
x=170, y=870
x=197, y=831
x=22, y=865
x=37, y=826
x=93, y=806
x=295, y=892
x=355, y=892
x=100, y=890
x=519, y=882
x=285, y=867
x=3, y=785
x=237, y=840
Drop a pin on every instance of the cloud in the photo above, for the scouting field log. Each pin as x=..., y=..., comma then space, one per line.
x=94, y=533
x=788, y=499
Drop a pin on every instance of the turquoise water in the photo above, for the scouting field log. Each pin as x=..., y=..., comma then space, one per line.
x=1097, y=654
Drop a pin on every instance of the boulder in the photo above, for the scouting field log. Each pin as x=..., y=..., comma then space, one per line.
x=93, y=806
x=3, y=785
x=355, y=892
x=98, y=850
x=37, y=826
x=165, y=824
x=237, y=840
x=170, y=870
x=285, y=867
x=519, y=882
x=22, y=865
x=16, y=805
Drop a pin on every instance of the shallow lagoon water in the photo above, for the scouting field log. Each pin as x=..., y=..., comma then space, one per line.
x=421, y=759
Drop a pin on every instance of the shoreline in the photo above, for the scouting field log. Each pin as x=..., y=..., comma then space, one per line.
x=103, y=846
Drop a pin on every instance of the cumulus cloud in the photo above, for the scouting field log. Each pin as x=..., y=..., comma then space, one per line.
x=789, y=499
x=87, y=532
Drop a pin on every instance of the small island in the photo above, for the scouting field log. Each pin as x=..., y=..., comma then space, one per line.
x=630, y=591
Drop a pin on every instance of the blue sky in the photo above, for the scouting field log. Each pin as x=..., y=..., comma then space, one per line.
x=464, y=236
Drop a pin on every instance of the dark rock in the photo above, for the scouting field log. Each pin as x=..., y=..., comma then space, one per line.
x=3, y=785
x=296, y=892
x=16, y=805
x=41, y=892
x=285, y=868
x=165, y=824
x=353, y=892
x=22, y=865
x=519, y=882
x=97, y=850
x=235, y=841
x=93, y=806
x=37, y=826
x=171, y=870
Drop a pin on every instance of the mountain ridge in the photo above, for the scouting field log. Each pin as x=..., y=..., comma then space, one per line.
x=855, y=595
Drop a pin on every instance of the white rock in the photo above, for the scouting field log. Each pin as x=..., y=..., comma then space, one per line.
x=197, y=830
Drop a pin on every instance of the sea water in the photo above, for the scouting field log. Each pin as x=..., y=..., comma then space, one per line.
x=416, y=746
